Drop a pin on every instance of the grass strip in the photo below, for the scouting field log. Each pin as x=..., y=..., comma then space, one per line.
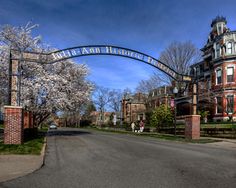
x=159, y=136
x=32, y=147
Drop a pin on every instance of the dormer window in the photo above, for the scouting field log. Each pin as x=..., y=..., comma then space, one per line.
x=219, y=29
x=229, y=48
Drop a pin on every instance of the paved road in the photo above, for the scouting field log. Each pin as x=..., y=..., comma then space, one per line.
x=78, y=158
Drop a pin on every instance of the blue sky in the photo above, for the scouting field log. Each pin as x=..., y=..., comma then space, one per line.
x=147, y=26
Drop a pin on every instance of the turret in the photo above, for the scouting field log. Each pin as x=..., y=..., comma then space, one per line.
x=218, y=26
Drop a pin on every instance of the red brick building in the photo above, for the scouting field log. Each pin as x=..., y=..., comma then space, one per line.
x=215, y=75
x=98, y=119
x=159, y=96
x=134, y=108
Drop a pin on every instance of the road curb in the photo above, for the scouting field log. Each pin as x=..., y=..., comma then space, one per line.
x=42, y=153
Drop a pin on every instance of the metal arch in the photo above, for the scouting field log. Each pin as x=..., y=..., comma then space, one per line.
x=112, y=50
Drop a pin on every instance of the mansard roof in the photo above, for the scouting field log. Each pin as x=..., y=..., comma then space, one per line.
x=218, y=19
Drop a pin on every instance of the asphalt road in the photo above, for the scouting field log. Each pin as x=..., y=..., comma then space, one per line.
x=80, y=158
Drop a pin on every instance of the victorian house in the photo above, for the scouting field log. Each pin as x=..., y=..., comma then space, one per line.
x=215, y=75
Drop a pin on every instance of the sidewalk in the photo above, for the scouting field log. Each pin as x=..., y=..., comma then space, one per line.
x=225, y=142
x=14, y=166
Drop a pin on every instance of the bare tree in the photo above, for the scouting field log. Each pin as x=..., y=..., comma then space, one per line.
x=115, y=100
x=127, y=93
x=102, y=98
x=155, y=81
x=179, y=56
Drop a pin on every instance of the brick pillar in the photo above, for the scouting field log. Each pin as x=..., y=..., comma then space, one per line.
x=26, y=120
x=192, y=127
x=31, y=120
x=13, y=125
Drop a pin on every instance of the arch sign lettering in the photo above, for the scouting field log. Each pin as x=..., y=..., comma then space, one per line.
x=68, y=53
x=16, y=57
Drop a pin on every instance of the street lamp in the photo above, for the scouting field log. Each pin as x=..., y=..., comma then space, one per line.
x=175, y=91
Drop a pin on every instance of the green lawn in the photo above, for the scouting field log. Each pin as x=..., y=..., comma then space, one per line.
x=32, y=147
x=159, y=136
x=229, y=125
x=214, y=125
x=44, y=129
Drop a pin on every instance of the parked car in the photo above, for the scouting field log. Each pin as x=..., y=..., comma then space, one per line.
x=52, y=126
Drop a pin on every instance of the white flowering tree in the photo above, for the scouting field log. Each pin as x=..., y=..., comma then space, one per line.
x=45, y=88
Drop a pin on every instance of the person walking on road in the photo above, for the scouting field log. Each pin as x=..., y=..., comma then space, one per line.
x=133, y=126
x=141, y=125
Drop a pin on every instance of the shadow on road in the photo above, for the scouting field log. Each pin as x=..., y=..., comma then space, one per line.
x=66, y=133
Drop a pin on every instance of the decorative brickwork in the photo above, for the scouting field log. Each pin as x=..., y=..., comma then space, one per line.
x=192, y=127
x=13, y=125
x=14, y=82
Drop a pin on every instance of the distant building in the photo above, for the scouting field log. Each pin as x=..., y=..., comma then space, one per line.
x=98, y=119
x=134, y=108
x=159, y=96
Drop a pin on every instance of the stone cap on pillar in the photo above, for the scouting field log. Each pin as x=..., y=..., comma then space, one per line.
x=186, y=116
x=13, y=107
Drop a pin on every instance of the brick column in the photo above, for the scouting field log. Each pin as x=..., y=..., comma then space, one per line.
x=13, y=125
x=192, y=127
